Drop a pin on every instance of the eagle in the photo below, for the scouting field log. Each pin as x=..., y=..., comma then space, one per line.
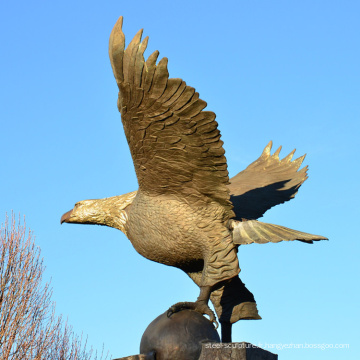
x=186, y=212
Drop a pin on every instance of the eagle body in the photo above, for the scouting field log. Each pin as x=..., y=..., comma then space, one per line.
x=187, y=213
x=171, y=232
x=165, y=231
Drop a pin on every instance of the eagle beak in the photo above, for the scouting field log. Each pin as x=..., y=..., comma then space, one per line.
x=66, y=217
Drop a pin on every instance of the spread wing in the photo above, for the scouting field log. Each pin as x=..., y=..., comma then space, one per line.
x=266, y=182
x=175, y=145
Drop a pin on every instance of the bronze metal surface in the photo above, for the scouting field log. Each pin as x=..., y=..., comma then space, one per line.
x=187, y=213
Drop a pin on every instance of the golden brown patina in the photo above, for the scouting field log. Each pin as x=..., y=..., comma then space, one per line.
x=186, y=213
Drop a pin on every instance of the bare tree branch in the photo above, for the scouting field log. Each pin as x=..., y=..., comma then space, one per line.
x=29, y=328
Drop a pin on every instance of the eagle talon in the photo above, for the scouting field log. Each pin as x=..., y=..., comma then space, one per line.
x=198, y=306
x=178, y=307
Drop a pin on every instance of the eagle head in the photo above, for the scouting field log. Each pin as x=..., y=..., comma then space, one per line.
x=109, y=211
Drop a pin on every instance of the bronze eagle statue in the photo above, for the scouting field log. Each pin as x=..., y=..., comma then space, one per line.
x=186, y=213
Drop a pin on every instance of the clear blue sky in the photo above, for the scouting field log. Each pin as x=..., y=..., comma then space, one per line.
x=286, y=71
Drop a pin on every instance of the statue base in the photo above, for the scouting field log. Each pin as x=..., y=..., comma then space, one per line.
x=221, y=351
x=235, y=351
x=188, y=335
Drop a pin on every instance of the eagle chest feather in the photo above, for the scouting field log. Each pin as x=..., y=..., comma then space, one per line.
x=170, y=231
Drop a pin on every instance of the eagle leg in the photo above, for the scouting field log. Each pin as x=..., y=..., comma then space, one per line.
x=200, y=305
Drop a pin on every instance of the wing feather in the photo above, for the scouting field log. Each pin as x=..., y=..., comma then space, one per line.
x=116, y=49
x=174, y=143
x=266, y=182
x=253, y=231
